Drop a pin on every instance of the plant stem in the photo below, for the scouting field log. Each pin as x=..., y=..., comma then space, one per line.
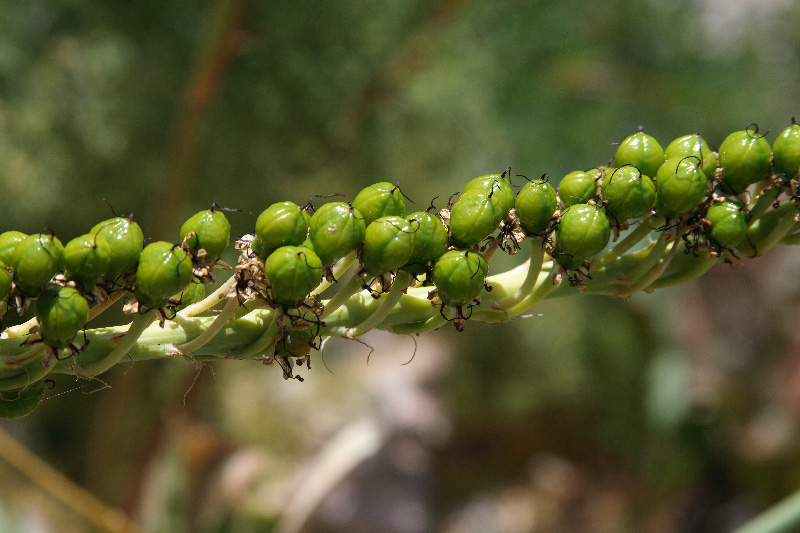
x=203, y=339
x=209, y=301
x=534, y=268
x=781, y=518
x=401, y=282
x=623, y=246
x=124, y=345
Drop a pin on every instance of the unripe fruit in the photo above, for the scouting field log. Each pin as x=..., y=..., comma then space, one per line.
x=212, y=233
x=164, y=270
x=496, y=187
x=680, y=186
x=786, y=151
x=430, y=240
x=694, y=145
x=578, y=187
x=292, y=273
x=473, y=218
x=61, y=312
x=336, y=230
x=388, y=245
x=281, y=224
x=125, y=240
x=5, y=283
x=459, y=276
x=21, y=402
x=728, y=223
x=380, y=200
x=642, y=151
x=535, y=206
x=86, y=260
x=629, y=193
x=582, y=233
x=8, y=241
x=35, y=260
x=745, y=159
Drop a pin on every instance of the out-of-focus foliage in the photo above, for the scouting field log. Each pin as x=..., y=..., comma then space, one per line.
x=674, y=410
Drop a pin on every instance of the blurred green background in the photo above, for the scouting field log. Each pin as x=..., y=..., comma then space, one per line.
x=675, y=411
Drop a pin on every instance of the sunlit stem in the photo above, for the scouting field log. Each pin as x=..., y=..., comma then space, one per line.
x=401, y=282
x=25, y=357
x=265, y=344
x=209, y=301
x=339, y=269
x=765, y=200
x=631, y=239
x=124, y=345
x=655, y=272
x=201, y=340
x=350, y=288
x=534, y=268
x=95, y=311
x=545, y=286
x=30, y=372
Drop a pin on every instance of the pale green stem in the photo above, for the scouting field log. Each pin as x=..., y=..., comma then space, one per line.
x=265, y=342
x=95, y=311
x=645, y=281
x=623, y=246
x=401, y=282
x=345, y=292
x=209, y=301
x=781, y=229
x=29, y=373
x=635, y=274
x=765, y=200
x=545, y=286
x=339, y=269
x=219, y=322
x=534, y=268
x=25, y=357
x=124, y=345
x=781, y=518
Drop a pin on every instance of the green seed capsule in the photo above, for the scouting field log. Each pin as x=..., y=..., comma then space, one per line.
x=388, y=245
x=125, y=240
x=498, y=188
x=473, y=218
x=86, y=260
x=786, y=151
x=212, y=233
x=582, y=233
x=35, y=260
x=459, y=276
x=680, y=186
x=336, y=229
x=21, y=402
x=164, y=270
x=629, y=193
x=281, y=224
x=728, y=223
x=61, y=312
x=536, y=204
x=578, y=187
x=694, y=145
x=642, y=151
x=292, y=273
x=8, y=241
x=380, y=200
x=5, y=283
x=430, y=240
x=195, y=292
x=745, y=159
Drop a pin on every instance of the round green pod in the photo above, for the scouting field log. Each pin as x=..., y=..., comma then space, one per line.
x=380, y=200
x=694, y=145
x=21, y=402
x=629, y=193
x=535, y=206
x=212, y=233
x=388, y=245
x=430, y=239
x=86, y=260
x=680, y=186
x=459, y=276
x=35, y=260
x=5, y=283
x=8, y=241
x=125, y=240
x=498, y=188
x=578, y=187
x=786, y=151
x=281, y=224
x=164, y=270
x=292, y=273
x=745, y=158
x=582, y=233
x=336, y=229
x=729, y=223
x=61, y=312
x=642, y=151
x=473, y=218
